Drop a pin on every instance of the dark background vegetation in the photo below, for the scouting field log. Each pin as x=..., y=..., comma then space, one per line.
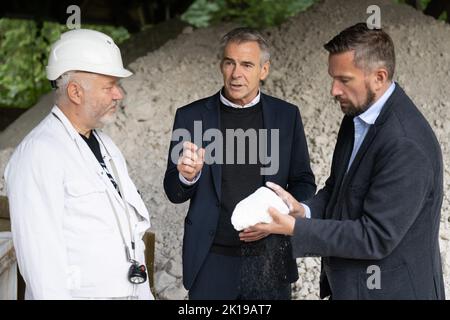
x=27, y=30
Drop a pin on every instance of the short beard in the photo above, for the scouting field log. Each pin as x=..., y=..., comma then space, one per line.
x=354, y=111
x=104, y=120
x=108, y=119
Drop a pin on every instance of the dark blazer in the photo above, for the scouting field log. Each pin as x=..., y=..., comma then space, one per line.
x=202, y=217
x=384, y=211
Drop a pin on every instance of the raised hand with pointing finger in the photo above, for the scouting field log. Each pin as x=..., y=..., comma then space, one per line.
x=191, y=161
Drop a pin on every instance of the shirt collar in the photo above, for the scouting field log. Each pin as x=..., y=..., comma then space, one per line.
x=66, y=122
x=228, y=103
x=370, y=115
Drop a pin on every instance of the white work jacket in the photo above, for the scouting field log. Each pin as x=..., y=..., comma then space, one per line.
x=65, y=232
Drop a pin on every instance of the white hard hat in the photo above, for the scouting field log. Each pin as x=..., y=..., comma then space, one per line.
x=85, y=50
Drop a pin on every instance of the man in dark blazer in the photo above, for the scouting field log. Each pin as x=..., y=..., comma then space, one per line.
x=218, y=261
x=376, y=221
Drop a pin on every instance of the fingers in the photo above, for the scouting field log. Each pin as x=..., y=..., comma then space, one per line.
x=249, y=235
x=275, y=214
x=191, y=161
x=283, y=194
x=281, y=224
x=192, y=152
x=263, y=227
x=261, y=230
x=287, y=198
x=187, y=161
x=186, y=168
x=201, y=154
x=193, y=156
x=273, y=186
x=187, y=145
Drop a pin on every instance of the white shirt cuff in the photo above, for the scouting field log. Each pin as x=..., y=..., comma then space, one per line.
x=187, y=182
x=307, y=211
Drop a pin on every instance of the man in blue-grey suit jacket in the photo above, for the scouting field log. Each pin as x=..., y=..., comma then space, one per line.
x=218, y=261
x=376, y=221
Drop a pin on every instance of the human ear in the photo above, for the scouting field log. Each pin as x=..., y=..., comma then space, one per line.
x=75, y=92
x=265, y=70
x=381, y=76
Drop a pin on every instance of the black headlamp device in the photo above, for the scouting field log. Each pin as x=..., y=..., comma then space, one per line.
x=53, y=84
x=136, y=273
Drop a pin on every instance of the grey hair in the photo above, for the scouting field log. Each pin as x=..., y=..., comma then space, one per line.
x=63, y=82
x=240, y=35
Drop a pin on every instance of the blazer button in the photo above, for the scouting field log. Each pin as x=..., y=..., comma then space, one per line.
x=211, y=233
x=188, y=221
x=179, y=194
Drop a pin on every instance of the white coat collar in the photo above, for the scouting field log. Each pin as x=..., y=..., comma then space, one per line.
x=92, y=162
x=66, y=122
x=86, y=153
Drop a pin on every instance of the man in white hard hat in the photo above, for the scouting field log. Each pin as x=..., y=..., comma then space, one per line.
x=77, y=217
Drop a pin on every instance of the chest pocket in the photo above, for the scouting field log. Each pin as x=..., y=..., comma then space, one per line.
x=86, y=204
x=80, y=188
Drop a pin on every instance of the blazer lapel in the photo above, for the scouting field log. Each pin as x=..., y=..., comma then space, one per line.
x=211, y=120
x=270, y=122
x=362, y=150
x=371, y=134
x=345, y=142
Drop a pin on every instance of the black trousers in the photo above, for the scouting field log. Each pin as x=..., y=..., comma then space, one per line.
x=237, y=278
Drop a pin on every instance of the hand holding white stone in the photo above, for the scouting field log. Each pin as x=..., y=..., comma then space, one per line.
x=254, y=208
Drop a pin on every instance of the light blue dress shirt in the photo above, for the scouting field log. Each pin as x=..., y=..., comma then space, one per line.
x=362, y=124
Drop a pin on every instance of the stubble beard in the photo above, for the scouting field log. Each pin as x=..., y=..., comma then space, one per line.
x=354, y=111
x=107, y=118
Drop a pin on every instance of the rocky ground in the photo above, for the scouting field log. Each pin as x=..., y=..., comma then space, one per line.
x=187, y=69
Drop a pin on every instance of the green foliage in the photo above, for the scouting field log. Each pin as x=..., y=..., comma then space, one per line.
x=443, y=16
x=201, y=12
x=422, y=3
x=252, y=13
x=24, y=49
